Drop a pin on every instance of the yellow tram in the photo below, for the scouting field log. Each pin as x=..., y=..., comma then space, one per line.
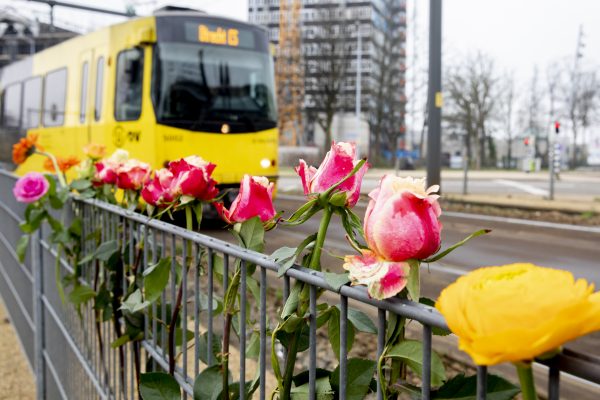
x=162, y=87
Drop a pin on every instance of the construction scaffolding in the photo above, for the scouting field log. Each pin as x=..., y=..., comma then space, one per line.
x=289, y=74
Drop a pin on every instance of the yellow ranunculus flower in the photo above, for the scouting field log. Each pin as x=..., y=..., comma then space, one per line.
x=519, y=311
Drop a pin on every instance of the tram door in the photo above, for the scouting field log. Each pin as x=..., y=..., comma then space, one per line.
x=97, y=126
x=82, y=136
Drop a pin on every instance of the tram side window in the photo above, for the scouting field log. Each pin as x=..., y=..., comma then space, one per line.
x=55, y=93
x=128, y=91
x=83, y=98
x=11, y=106
x=99, y=86
x=32, y=100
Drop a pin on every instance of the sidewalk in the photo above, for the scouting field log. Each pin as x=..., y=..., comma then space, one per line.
x=16, y=379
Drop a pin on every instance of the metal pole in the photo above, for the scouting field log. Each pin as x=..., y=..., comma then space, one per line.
x=358, y=81
x=358, y=70
x=551, y=169
x=465, y=166
x=434, y=98
x=38, y=314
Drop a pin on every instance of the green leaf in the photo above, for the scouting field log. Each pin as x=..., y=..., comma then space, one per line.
x=134, y=302
x=411, y=353
x=302, y=210
x=81, y=295
x=322, y=388
x=120, y=341
x=361, y=321
x=203, y=348
x=208, y=384
x=252, y=233
x=434, y=329
x=81, y=184
x=159, y=386
x=76, y=227
x=465, y=388
x=253, y=348
x=105, y=251
x=336, y=281
x=359, y=376
x=291, y=304
x=414, y=281
x=21, y=248
x=450, y=249
x=333, y=332
x=156, y=278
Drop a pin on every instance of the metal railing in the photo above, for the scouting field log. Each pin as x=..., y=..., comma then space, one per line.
x=71, y=353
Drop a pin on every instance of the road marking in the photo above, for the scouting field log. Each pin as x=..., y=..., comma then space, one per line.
x=523, y=186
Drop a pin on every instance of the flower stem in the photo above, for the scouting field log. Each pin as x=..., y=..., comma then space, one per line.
x=315, y=260
x=59, y=174
x=525, y=373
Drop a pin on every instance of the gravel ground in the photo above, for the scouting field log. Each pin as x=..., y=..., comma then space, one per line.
x=16, y=379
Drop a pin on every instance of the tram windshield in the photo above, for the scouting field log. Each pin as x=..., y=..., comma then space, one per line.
x=201, y=87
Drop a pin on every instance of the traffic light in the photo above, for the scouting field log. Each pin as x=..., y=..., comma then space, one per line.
x=557, y=127
x=526, y=141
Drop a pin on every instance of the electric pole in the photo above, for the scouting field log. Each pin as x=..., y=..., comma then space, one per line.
x=434, y=94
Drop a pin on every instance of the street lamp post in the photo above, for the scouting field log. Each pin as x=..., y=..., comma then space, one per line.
x=434, y=95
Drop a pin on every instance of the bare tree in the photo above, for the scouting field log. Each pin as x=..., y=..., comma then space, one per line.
x=326, y=68
x=583, y=91
x=508, y=100
x=388, y=112
x=471, y=90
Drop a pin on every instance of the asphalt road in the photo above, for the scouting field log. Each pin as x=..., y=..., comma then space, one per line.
x=507, y=243
x=511, y=183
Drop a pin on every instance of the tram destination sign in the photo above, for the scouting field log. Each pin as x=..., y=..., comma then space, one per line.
x=219, y=35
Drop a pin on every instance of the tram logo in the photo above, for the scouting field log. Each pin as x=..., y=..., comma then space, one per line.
x=118, y=136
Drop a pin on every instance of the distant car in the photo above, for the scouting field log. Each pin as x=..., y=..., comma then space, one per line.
x=456, y=161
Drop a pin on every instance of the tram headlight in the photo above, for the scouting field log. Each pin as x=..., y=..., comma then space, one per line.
x=265, y=163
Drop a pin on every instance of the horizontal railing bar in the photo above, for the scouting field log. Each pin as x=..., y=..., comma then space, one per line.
x=65, y=333
x=15, y=294
x=162, y=361
x=409, y=309
x=576, y=364
x=12, y=214
x=15, y=257
x=48, y=362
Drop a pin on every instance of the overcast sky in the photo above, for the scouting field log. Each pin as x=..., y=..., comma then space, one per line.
x=519, y=34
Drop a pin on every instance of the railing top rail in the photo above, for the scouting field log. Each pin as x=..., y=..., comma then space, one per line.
x=419, y=312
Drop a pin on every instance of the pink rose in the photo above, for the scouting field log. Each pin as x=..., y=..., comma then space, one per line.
x=132, y=174
x=107, y=169
x=383, y=278
x=160, y=191
x=193, y=176
x=255, y=199
x=31, y=187
x=338, y=162
x=106, y=173
x=402, y=219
